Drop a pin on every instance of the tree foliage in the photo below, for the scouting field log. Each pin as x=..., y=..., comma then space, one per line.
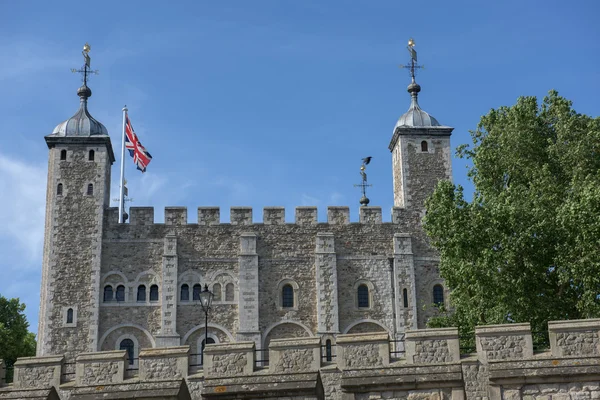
x=15, y=338
x=527, y=247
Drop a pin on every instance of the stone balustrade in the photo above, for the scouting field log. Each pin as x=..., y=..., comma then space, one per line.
x=503, y=342
x=229, y=359
x=164, y=363
x=363, y=350
x=294, y=355
x=432, y=346
x=38, y=372
x=100, y=368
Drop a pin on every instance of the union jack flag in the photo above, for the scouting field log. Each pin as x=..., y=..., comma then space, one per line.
x=140, y=155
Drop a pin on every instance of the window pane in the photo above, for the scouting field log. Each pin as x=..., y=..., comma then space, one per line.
x=185, y=292
x=438, y=294
x=204, y=342
x=287, y=296
x=108, y=293
x=141, y=294
x=70, y=316
x=197, y=289
x=363, y=296
x=229, y=292
x=217, y=291
x=154, y=293
x=127, y=344
x=91, y=155
x=90, y=189
x=120, y=293
x=405, y=297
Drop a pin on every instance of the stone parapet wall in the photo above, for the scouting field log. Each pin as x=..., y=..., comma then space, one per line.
x=504, y=342
x=166, y=363
x=294, y=355
x=232, y=359
x=371, y=350
x=38, y=372
x=575, y=337
x=431, y=346
x=100, y=368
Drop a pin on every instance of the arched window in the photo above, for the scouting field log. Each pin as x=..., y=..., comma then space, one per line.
x=154, y=293
x=91, y=155
x=229, y=292
x=287, y=296
x=424, y=146
x=108, y=293
x=120, y=293
x=63, y=155
x=363, y=296
x=90, y=189
x=204, y=342
x=438, y=294
x=217, y=292
x=196, y=291
x=129, y=346
x=185, y=292
x=141, y=294
x=405, y=297
x=70, y=316
x=59, y=189
x=328, y=355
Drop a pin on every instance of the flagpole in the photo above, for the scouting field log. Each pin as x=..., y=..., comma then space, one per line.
x=122, y=183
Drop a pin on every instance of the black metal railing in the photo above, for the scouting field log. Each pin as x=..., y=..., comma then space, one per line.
x=261, y=358
x=132, y=365
x=466, y=343
x=199, y=360
x=397, y=347
x=541, y=340
x=328, y=352
x=9, y=374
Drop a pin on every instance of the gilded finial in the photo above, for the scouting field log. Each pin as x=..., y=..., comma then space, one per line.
x=363, y=185
x=84, y=91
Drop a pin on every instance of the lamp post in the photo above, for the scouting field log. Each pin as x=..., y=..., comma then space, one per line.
x=206, y=298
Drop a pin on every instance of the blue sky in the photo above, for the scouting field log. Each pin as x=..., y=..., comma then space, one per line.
x=264, y=103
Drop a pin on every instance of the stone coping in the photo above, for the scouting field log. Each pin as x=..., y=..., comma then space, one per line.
x=42, y=360
x=296, y=342
x=113, y=355
x=170, y=389
x=438, y=333
x=574, y=325
x=405, y=377
x=261, y=387
x=356, y=338
x=538, y=371
x=502, y=330
x=277, y=208
x=237, y=347
x=175, y=351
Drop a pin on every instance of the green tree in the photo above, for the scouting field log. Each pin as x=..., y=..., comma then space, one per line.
x=527, y=247
x=15, y=338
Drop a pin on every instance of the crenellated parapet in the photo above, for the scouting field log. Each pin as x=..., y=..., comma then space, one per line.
x=211, y=216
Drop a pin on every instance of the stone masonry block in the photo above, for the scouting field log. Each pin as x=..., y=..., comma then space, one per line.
x=99, y=368
x=241, y=215
x=295, y=355
x=325, y=242
x=575, y=337
x=248, y=243
x=274, y=215
x=111, y=215
x=209, y=216
x=229, y=359
x=338, y=215
x=175, y=215
x=306, y=215
x=358, y=351
x=141, y=215
x=38, y=372
x=399, y=214
x=370, y=215
x=503, y=342
x=166, y=363
x=432, y=346
x=402, y=243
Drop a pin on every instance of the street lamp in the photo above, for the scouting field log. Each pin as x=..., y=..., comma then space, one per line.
x=206, y=298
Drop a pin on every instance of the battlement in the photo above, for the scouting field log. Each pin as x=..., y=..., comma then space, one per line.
x=504, y=361
x=211, y=216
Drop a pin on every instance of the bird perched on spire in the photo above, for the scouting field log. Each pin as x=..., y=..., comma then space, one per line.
x=367, y=160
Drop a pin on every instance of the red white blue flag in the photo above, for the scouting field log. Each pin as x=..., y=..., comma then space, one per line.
x=140, y=155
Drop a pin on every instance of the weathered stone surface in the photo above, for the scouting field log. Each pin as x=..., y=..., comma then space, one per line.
x=38, y=372
x=100, y=368
x=428, y=346
x=504, y=342
x=168, y=363
x=363, y=351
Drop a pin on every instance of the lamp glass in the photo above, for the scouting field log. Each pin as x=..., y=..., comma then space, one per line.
x=206, y=298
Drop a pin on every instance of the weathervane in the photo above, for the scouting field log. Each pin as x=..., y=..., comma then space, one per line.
x=363, y=185
x=85, y=70
x=413, y=59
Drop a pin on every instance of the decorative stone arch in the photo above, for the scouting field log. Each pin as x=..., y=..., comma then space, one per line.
x=433, y=283
x=279, y=297
x=367, y=321
x=143, y=330
x=212, y=278
x=266, y=339
x=123, y=281
x=190, y=277
x=371, y=288
x=154, y=277
x=210, y=325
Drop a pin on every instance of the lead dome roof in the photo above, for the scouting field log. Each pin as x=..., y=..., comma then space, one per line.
x=82, y=124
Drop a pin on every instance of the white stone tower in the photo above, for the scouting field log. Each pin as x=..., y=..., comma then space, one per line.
x=420, y=149
x=78, y=192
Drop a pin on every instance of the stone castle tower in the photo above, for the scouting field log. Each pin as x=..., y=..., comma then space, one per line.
x=108, y=286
